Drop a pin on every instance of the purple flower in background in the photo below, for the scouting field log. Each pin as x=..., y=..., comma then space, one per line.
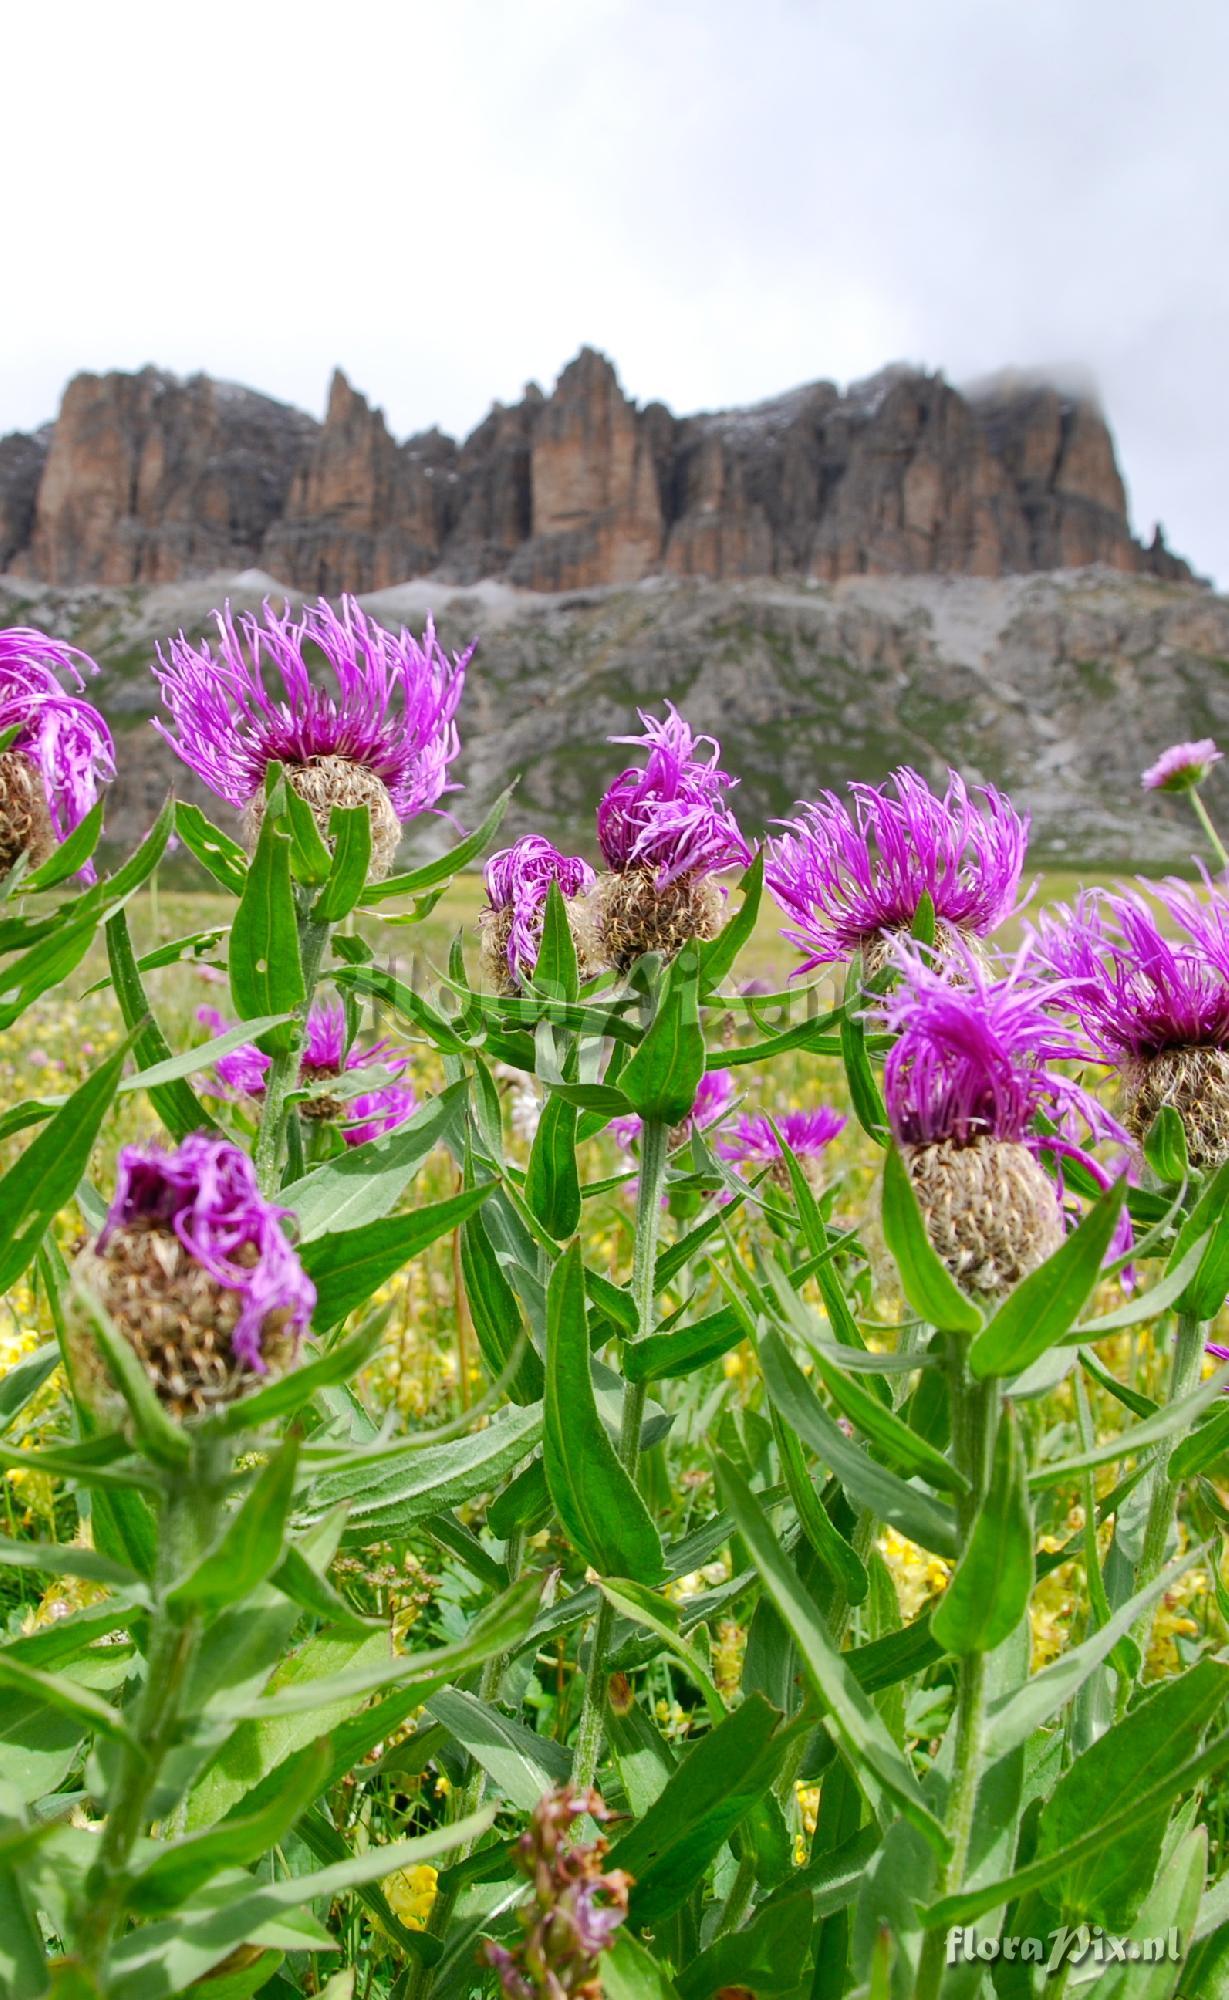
x=1182, y=767
x=206, y=1194
x=385, y=737
x=808, y=1134
x=670, y=817
x=51, y=772
x=1152, y=1004
x=518, y=881
x=244, y=1072
x=712, y=1100
x=575, y=1907
x=965, y=1082
x=849, y=875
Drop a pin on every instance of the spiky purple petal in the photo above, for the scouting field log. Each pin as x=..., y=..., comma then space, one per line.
x=1134, y=989
x=65, y=737
x=392, y=711
x=518, y=879
x=845, y=874
x=806, y=1133
x=671, y=816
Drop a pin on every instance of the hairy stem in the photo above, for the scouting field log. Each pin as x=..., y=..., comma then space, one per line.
x=194, y=1498
x=1212, y=836
x=653, y=1138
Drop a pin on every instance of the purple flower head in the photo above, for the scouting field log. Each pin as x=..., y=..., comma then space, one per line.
x=671, y=816
x=518, y=879
x=392, y=712
x=806, y=1133
x=65, y=737
x=1182, y=767
x=847, y=874
x=712, y=1100
x=1134, y=990
x=375, y=1112
x=973, y=1054
x=206, y=1192
x=244, y=1072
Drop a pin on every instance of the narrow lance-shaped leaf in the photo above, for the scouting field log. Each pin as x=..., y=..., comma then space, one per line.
x=442, y=870
x=176, y=1103
x=928, y=1284
x=1045, y=1307
x=350, y=833
x=596, y=1500
x=348, y=1265
x=44, y=1178
x=989, y=1592
x=249, y=1545
x=223, y=857
x=266, y=971
x=663, y=1075
x=552, y=1184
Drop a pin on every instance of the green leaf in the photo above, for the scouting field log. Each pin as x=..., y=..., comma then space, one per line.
x=556, y=973
x=552, y=1185
x=630, y=1972
x=840, y=1560
x=69, y=1697
x=663, y=1075
x=766, y=1956
x=903, y=1449
x=1150, y=1304
x=171, y=1873
x=718, y=955
x=310, y=860
x=24, y=1380
x=928, y=1284
x=1209, y=1217
x=923, y=926
x=660, y=1357
x=1169, y=1418
x=659, y=1616
x=179, y=1108
x=496, y=1313
x=888, y=1497
x=350, y=833
x=67, y=1559
x=872, y=1757
x=203, y=1055
x=370, y=1179
x=348, y=1265
x=1165, y=1147
x=989, y=1592
x=598, y=1504
x=250, y=1544
x=69, y=856
x=446, y=866
x=221, y=856
x=521, y=1764
x=392, y=1488
x=864, y=1092
x=1044, y=1308
x=704, y=1800
x=1201, y=1450
x=266, y=970
x=1168, y=1724
x=342, y=1361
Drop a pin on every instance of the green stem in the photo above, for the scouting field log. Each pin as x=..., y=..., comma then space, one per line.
x=653, y=1140
x=1162, y=1490
x=974, y=1404
x=1213, y=838
x=194, y=1497
x=269, y=1153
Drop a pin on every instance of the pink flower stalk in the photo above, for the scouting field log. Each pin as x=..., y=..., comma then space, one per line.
x=206, y=1192
x=518, y=881
x=391, y=715
x=63, y=737
x=847, y=875
x=670, y=817
x=1182, y=767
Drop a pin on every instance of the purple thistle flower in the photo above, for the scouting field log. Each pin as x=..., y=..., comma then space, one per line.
x=244, y=1072
x=808, y=1134
x=1136, y=991
x=1182, y=767
x=375, y=1112
x=671, y=817
x=848, y=875
x=63, y=737
x=973, y=1053
x=206, y=1192
x=518, y=881
x=392, y=714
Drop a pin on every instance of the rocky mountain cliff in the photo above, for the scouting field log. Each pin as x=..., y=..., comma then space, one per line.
x=148, y=479
x=1061, y=688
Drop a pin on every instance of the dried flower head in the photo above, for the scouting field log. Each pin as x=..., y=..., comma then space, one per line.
x=850, y=877
x=244, y=1073
x=1182, y=767
x=665, y=829
x=518, y=881
x=963, y=1086
x=1152, y=1004
x=62, y=750
x=575, y=1908
x=195, y=1270
x=384, y=739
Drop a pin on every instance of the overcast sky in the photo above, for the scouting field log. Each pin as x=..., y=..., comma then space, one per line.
x=448, y=197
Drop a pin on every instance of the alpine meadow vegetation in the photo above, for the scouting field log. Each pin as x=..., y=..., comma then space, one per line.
x=593, y=1455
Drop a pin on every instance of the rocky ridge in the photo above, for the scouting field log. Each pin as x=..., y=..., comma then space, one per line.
x=147, y=479
x=1060, y=688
